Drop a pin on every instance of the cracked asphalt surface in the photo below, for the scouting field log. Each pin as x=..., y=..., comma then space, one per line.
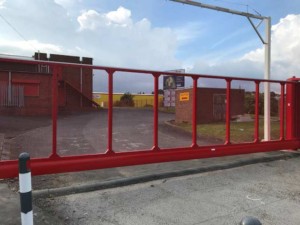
x=269, y=191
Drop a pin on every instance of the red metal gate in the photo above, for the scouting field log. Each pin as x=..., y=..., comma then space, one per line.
x=289, y=131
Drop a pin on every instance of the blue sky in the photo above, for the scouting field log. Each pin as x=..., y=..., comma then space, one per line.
x=155, y=34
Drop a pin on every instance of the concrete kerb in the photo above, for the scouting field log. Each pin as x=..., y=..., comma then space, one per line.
x=62, y=191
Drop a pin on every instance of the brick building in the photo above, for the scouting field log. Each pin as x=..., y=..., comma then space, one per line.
x=26, y=89
x=211, y=104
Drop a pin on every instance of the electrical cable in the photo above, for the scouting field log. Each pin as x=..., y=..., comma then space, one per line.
x=12, y=27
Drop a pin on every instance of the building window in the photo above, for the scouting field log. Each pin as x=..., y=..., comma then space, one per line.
x=31, y=87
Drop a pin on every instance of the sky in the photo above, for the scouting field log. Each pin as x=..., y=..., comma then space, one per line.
x=156, y=35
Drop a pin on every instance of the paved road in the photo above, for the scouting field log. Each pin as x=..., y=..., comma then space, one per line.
x=269, y=191
x=87, y=133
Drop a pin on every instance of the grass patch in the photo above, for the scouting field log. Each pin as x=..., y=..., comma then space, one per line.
x=167, y=109
x=239, y=131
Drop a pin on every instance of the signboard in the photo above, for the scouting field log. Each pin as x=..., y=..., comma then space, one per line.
x=169, y=98
x=173, y=81
x=97, y=96
x=184, y=96
x=169, y=82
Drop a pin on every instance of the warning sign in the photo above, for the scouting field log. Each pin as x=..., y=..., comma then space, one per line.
x=184, y=96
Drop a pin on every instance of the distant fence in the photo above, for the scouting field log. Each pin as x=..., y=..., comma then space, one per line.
x=11, y=95
x=137, y=103
x=146, y=103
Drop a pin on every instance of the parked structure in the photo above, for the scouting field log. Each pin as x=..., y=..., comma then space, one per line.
x=26, y=89
x=211, y=104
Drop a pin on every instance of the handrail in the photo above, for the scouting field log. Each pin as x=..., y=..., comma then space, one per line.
x=82, y=94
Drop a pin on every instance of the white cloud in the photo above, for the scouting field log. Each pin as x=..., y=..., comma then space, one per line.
x=116, y=40
x=89, y=20
x=112, y=38
x=285, y=48
x=120, y=16
x=93, y=20
x=2, y=3
x=28, y=47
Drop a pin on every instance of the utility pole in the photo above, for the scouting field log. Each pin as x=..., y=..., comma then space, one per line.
x=267, y=45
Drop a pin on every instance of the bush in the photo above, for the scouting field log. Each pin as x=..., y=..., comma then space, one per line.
x=125, y=101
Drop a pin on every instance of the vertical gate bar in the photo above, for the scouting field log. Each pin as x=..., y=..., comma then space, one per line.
x=256, y=123
x=228, y=103
x=56, y=70
x=110, y=111
x=194, y=116
x=282, y=112
x=155, y=117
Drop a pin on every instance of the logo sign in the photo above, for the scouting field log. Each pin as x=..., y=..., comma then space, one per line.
x=184, y=96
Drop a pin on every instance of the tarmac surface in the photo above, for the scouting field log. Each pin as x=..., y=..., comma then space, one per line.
x=268, y=191
x=217, y=191
x=220, y=191
x=86, y=133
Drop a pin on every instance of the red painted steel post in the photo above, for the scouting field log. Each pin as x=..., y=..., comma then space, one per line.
x=228, y=103
x=256, y=123
x=155, y=117
x=110, y=111
x=282, y=111
x=194, y=118
x=290, y=109
x=56, y=72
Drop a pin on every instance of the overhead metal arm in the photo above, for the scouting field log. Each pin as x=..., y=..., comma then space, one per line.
x=226, y=10
x=207, y=6
x=257, y=32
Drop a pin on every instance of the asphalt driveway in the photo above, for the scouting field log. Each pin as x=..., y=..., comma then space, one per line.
x=86, y=133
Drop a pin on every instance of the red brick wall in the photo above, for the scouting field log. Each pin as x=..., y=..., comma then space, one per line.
x=22, y=67
x=36, y=105
x=205, y=104
x=72, y=75
x=67, y=97
x=184, y=109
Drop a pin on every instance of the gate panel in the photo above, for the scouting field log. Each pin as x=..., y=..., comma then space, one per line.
x=56, y=163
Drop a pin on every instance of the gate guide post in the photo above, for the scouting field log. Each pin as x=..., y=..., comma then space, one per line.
x=25, y=190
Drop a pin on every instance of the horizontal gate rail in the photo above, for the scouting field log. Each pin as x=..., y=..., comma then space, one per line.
x=59, y=164
x=101, y=161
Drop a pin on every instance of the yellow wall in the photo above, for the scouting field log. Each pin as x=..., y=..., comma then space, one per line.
x=140, y=100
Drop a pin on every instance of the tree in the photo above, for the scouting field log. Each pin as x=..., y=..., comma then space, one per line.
x=126, y=100
x=160, y=92
x=250, y=103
